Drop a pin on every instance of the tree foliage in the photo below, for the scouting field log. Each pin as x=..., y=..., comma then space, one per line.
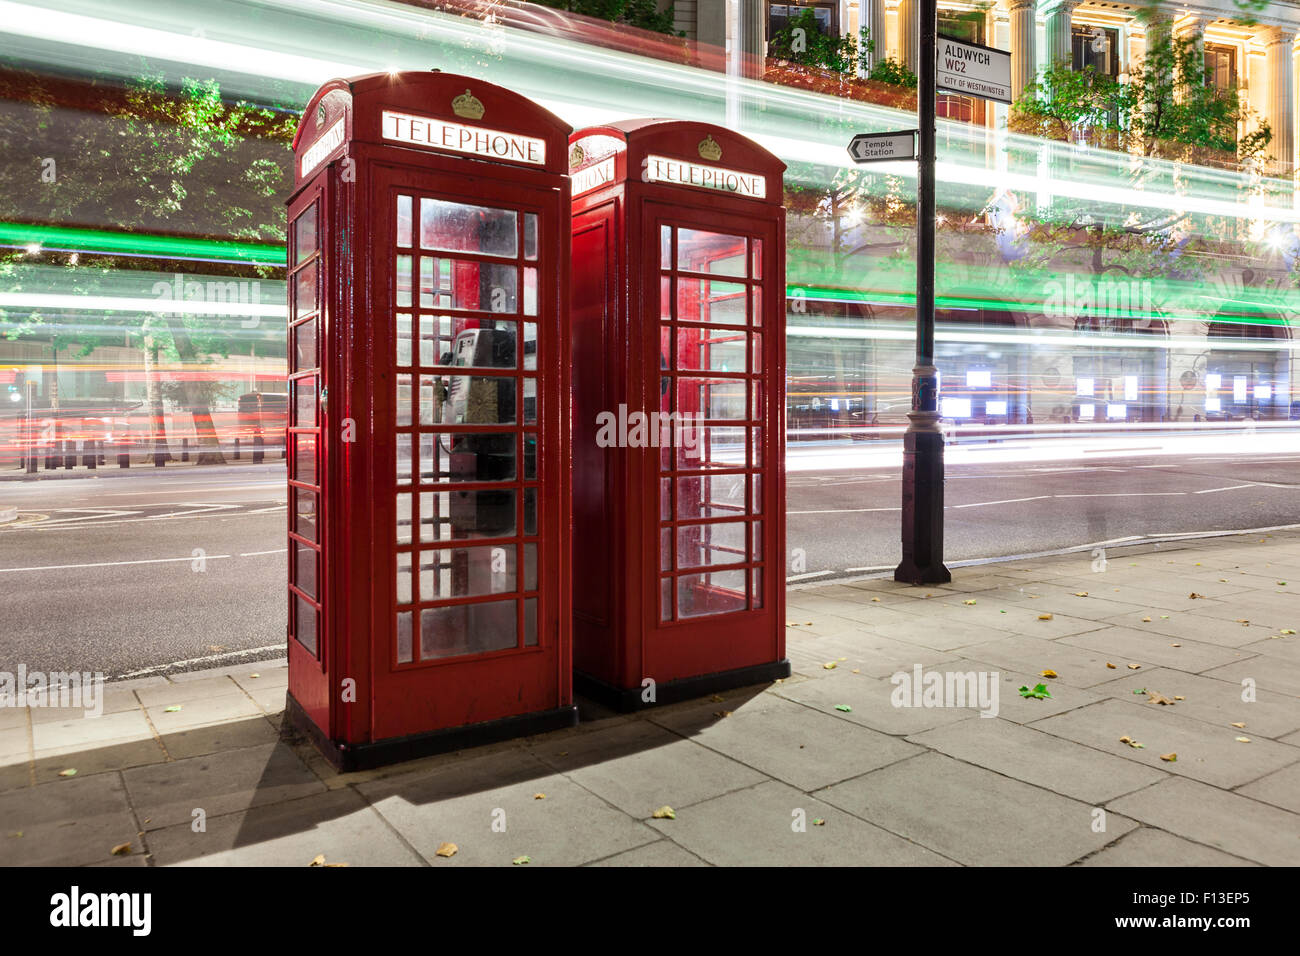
x=634, y=13
x=1169, y=108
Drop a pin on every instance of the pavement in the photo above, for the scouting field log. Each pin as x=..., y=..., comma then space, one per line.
x=1171, y=736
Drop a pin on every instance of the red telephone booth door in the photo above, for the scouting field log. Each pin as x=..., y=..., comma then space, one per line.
x=472, y=572
x=308, y=606
x=718, y=522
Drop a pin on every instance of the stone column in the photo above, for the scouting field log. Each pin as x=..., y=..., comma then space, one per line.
x=909, y=37
x=1023, y=62
x=872, y=13
x=1058, y=33
x=1279, y=106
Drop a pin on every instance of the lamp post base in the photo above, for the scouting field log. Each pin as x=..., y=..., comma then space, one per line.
x=922, y=502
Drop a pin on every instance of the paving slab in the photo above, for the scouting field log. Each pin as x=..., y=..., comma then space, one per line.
x=660, y=853
x=758, y=827
x=180, y=692
x=972, y=815
x=871, y=700
x=101, y=757
x=220, y=783
x=1269, y=673
x=1022, y=710
x=1023, y=753
x=1206, y=630
x=200, y=712
x=1189, y=655
x=1285, y=647
x=460, y=802
x=71, y=822
x=81, y=733
x=337, y=823
x=214, y=738
x=1205, y=752
x=1280, y=788
x=640, y=766
x=793, y=743
x=1147, y=846
x=1214, y=701
x=1076, y=666
x=1226, y=821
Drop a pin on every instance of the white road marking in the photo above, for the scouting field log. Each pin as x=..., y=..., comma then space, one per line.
x=842, y=511
x=810, y=574
x=114, y=564
x=1004, y=501
x=252, y=554
x=1209, y=491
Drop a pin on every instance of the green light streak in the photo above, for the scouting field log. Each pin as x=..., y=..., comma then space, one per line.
x=134, y=243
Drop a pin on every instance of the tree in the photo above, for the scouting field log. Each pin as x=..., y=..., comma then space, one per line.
x=634, y=13
x=144, y=158
x=1169, y=108
x=802, y=41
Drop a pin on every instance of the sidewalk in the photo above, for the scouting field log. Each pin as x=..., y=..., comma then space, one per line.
x=1044, y=782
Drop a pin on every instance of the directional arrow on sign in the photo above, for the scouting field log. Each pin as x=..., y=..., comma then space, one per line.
x=883, y=147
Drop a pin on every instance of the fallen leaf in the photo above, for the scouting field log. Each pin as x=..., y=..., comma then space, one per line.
x=1243, y=740
x=1126, y=739
x=877, y=600
x=521, y=860
x=721, y=713
x=1155, y=698
x=717, y=698
x=1239, y=726
x=844, y=707
x=1179, y=697
x=446, y=849
x=830, y=665
x=1134, y=667
x=970, y=601
x=1243, y=620
x=254, y=675
x=856, y=670
x=1169, y=757
x=539, y=796
x=172, y=709
x=1048, y=673
x=122, y=849
x=1288, y=630
x=1110, y=665
x=1193, y=596
x=1175, y=645
x=1146, y=620
x=1039, y=692
x=1281, y=583
x=819, y=822
x=1080, y=593
x=1044, y=617
x=70, y=772
x=319, y=860
x=664, y=813
x=1164, y=617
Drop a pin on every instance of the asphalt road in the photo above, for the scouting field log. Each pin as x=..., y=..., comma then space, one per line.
x=186, y=569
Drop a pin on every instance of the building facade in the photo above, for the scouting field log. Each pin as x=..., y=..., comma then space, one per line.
x=1256, y=53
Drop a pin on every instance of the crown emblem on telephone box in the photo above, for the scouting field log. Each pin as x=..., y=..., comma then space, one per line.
x=710, y=150
x=467, y=105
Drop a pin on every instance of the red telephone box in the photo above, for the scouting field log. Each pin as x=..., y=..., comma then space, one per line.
x=678, y=332
x=429, y=502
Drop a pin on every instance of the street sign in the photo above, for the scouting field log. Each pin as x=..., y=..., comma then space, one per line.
x=883, y=147
x=973, y=70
